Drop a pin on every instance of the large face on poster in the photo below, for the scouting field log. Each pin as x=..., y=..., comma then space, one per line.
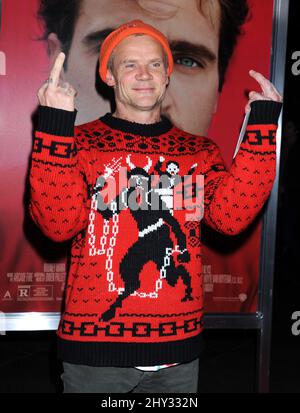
x=214, y=46
x=194, y=39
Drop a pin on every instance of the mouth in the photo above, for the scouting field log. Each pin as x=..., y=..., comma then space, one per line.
x=144, y=89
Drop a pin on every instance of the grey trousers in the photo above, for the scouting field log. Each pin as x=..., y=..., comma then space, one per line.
x=182, y=378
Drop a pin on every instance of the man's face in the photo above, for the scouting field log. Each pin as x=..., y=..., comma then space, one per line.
x=138, y=75
x=192, y=94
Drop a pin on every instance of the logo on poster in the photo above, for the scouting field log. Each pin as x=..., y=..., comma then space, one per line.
x=7, y=296
x=35, y=292
x=23, y=291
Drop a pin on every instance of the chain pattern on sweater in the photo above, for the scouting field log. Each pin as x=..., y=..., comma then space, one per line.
x=110, y=250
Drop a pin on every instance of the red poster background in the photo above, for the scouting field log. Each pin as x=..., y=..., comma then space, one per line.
x=33, y=268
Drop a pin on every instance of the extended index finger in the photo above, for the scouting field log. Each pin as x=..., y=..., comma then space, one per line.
x=56, y=69
x=267, y=87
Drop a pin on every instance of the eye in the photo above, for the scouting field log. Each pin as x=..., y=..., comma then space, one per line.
x=188, y=62
x=129, y=65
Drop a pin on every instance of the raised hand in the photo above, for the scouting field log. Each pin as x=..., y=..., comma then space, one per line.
x=55, y=93
x=268, y=90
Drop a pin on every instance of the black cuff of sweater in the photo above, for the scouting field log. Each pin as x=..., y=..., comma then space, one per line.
x=264, y=112
x=57, y=122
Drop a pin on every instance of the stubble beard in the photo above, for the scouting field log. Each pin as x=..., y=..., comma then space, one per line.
x=135, y=105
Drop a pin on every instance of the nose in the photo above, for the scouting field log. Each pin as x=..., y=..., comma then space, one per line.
x=143, y=73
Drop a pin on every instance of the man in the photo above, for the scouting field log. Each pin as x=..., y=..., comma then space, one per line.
x=134, y=298
x=202, y=36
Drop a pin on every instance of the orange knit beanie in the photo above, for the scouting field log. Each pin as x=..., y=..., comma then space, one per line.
x=127, y=29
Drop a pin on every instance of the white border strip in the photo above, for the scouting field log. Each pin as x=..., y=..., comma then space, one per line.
x=34, y=321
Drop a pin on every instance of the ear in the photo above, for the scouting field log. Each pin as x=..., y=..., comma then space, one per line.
x=54, y=48
x=110, y=79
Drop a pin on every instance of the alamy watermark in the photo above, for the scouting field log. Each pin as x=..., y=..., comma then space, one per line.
x=142, y=191
x=296, y=325
x=296, y=64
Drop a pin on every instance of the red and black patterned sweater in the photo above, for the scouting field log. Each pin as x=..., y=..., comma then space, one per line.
x=134, y=288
